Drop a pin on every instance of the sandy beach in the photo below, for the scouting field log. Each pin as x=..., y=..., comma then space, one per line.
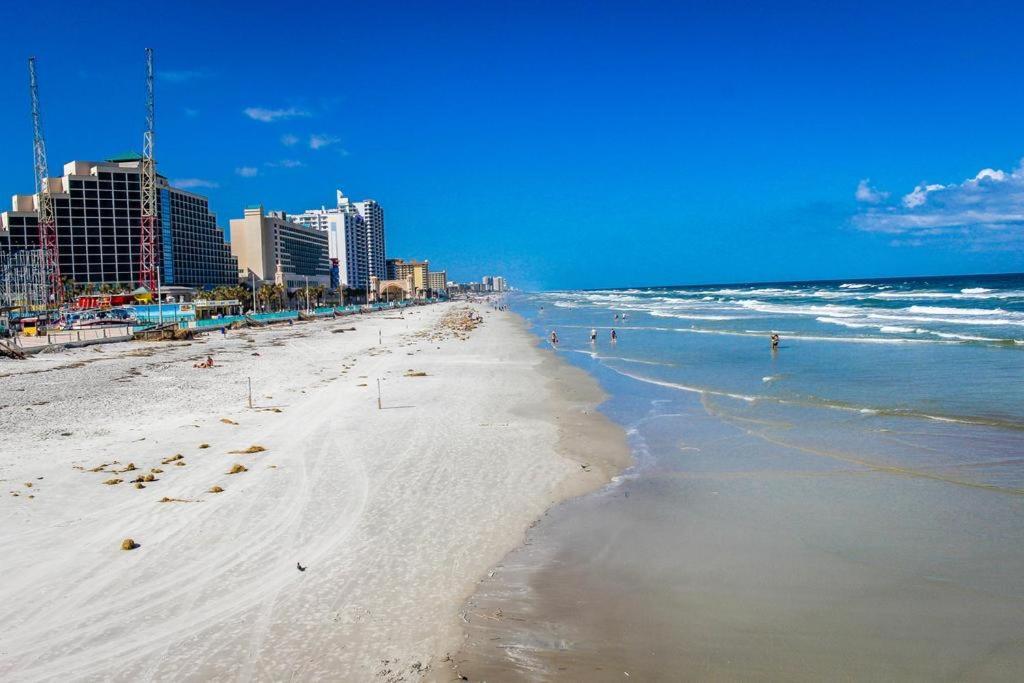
x=393, y=514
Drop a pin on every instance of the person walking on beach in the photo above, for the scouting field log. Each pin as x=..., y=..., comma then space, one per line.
x=775, y=341
x=554, y=337
x=615, y=337
x=593, y=336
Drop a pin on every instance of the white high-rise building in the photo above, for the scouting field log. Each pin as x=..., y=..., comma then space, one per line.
x=373, y=215
x=355, y=237
x=499, y=283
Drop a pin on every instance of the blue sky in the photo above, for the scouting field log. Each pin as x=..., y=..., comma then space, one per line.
x=567, y=145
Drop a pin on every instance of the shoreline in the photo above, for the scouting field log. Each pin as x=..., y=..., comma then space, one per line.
x=395, y=514
x=585, y=437
x=764, y=539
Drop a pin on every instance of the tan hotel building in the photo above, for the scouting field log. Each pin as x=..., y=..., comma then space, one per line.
x=399, y=269
x=261, y=242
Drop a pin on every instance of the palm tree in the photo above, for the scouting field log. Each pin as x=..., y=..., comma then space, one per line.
x=270, y=296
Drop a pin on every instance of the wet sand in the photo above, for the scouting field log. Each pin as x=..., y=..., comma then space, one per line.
x=732, y=551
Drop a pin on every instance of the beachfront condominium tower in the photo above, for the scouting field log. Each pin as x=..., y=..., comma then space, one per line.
x=356, y=237
x=273, y=249
x=373, y=215
x=438, y=281
x=98, y=207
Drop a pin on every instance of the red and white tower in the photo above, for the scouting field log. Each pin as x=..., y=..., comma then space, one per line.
x=147, y=168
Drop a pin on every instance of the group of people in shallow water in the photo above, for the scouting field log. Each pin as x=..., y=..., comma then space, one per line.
x=553, y=337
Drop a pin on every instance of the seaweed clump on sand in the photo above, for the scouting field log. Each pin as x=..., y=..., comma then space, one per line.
x=255, y=448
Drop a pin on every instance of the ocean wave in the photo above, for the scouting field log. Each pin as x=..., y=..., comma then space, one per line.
x=975, y=290
x=816, y=402
x=853, y=285
x=946, y=310
x=695, y=316
x=686, y=387
x=966, y=320
x=963, y=295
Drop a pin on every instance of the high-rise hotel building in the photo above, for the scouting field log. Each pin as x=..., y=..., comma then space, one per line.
x=373, y=216
x=355, y=236
x=272, y=248
x=98, y=210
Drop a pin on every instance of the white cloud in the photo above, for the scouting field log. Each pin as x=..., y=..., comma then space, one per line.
x=920, y=195
x=869, y=195
x=320, y=141
x=270, y=115
x=186, y=183
x=990, y=174
x=247, y=171
x=980, y=213
x=288, y=140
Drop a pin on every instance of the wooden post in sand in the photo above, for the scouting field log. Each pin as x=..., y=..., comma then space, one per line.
x=250, y=391
x=378, y=394
x=380, y=338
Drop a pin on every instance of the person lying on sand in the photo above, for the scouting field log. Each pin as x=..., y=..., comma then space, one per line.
x=208, y=363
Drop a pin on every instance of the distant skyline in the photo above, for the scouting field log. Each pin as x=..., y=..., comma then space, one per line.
x=566, y=146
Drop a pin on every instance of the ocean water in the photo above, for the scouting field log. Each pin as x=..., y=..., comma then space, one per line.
x=849, y=505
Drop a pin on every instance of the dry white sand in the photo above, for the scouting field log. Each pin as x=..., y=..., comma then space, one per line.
x=395, y=513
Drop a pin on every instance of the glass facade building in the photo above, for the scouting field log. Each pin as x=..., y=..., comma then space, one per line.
x=98, y=211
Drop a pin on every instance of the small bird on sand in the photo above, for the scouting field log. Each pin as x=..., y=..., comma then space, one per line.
x=300, y=567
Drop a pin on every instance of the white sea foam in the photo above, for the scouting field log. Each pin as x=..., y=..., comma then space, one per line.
x=695, y=316
x=853, y=285
x=687, y=388
x=972, y=337
x=946, y=310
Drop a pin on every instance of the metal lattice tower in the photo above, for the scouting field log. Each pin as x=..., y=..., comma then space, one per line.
x=147, y=168
x=46, y=221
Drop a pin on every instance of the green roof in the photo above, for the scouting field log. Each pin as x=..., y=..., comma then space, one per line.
x=126, y=156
